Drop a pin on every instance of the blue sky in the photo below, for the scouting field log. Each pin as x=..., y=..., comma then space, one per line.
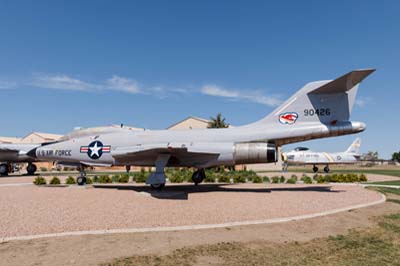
x=151, y=63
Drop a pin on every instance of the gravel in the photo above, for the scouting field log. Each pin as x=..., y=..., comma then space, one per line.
x=28, y=210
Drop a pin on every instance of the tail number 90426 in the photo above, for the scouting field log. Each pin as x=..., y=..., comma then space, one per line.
x=318, y=112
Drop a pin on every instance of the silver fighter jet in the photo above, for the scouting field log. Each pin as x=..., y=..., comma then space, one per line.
x=303, y=155
x=16, y=153
x=320, y=109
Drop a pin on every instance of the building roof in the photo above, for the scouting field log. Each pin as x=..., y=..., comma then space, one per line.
x=45, y=135
x=10, y=140
x=206, y=121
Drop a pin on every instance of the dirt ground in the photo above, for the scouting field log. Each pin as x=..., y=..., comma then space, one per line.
x=95, y=249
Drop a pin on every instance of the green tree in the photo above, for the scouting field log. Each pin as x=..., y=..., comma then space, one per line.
x=372, y=156
x=218, y=122
x=396, y=156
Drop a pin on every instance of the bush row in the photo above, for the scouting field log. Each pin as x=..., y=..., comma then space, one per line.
x=212, y=176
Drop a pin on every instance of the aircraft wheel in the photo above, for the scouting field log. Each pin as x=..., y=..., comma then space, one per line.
x=326, y=169
x=158, y=187
x=31, y=169
x=315, y=169
x=3, y=169
x=81, y=180
x=198, y=176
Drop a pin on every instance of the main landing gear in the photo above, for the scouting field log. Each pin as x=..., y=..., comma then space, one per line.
x=198, y=176
x=31, y=168
x=326, y=169
x=157, y=179
x=315, y=169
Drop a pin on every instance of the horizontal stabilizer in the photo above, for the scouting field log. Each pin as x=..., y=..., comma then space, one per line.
x=344, y=83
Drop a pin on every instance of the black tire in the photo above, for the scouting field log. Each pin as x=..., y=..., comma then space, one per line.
x=198, y=176
x=315, y=169
x=81, y=180
x=158, y=187
x=326, y=169
x=3, y=169
x=31, y=169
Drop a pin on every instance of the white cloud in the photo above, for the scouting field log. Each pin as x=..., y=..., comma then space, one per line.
x=123, y=84
x=253, y=96
x=4, y=84
x=128, y=85
x=62, y=82
x=362, y=102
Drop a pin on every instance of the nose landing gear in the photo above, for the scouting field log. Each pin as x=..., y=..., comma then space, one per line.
x=81, y=180
x=4, y=169
x=31, y=168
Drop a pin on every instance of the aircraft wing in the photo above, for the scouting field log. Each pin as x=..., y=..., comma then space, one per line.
x=181, y=153
x=8, y=149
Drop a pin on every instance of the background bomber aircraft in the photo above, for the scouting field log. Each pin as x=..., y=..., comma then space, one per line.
x=320, y=109
x=305, y=156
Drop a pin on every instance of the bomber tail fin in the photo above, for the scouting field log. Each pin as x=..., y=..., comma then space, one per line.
x=354, y=147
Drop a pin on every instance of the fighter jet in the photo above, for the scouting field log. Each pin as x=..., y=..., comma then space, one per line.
x=16, y=153
x=318, y=110
x=303, y=155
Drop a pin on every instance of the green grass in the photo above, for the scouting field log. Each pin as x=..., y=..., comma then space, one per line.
x=376, y=245
x=391, y=172
x=389, y=183
x=386, y=190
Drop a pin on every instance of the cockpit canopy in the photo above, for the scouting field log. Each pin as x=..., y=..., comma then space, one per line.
x=301, y=149
x=83, y=132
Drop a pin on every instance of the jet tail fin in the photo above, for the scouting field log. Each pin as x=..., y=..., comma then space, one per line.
x=326, y=102
x=344, y=83
x=354, y=147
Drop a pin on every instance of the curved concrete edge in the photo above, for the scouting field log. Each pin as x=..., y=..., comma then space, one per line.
x=194, y=227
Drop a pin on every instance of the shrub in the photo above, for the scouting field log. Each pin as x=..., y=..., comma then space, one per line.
x=210, y=179
x=320, y=179
x=70, y=180
x=275, y=179
x=176, y=178
x=224, y=179
x=291, y=181
x=89, y=181
x=266, y=179
x=105, y=179
x=43, y=169
x=123, y=178
x=282, y=179
x=55, y=181
x=257, y=179
x=363, y=178
x=39, y=181
x=140, y=177
x=306, y=179
x=114, y=178
x=239, y=179
x=294, y=177
x=95, y=179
